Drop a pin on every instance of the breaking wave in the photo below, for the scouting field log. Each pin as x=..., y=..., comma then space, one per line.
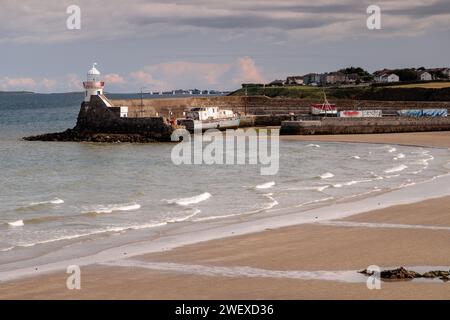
x=193, y=214
x=191, y=200
x=112, y=208
x=271, y=204
x=18, y=223
x=54, y=201
x=266, y=185
x=396, y=169
x=326, y=175
x=32, y=205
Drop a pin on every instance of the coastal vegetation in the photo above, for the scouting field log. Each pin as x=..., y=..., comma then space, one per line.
x=432, y=91
x=428, y=85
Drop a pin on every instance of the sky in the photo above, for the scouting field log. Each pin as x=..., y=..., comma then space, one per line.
x=211, y=44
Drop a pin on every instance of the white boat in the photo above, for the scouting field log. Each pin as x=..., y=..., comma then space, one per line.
x=324, y=109
x=204, y=118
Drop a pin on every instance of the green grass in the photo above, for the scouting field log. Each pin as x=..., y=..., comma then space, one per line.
x=428, y=85
x=302, y=92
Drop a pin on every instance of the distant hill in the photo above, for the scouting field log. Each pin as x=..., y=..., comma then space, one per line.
x=16, y=92
x=381, y=93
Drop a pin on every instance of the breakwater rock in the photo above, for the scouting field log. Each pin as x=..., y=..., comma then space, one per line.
x=88, y=136
x=404, y=274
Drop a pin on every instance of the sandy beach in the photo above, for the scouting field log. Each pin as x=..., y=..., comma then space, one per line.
x=269, y=264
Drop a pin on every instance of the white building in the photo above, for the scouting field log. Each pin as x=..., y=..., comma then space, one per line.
x=295, y=80
x=425, y=76
x=387, y=77
x=93, y=86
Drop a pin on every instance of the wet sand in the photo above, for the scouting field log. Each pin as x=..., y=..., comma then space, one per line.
x=439, y=139
x=308, y=247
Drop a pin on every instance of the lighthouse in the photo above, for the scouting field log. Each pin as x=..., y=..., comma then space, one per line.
x=93, y=86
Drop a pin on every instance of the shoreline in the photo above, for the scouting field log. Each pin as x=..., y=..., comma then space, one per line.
x=183, y=238
x=190, y=234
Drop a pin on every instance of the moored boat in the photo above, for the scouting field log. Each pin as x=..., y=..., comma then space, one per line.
x=204, y=118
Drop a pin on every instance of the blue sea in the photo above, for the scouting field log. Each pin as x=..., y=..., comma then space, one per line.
x=54, y=195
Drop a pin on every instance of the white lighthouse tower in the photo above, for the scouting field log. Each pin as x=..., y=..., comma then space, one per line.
x=93, y=86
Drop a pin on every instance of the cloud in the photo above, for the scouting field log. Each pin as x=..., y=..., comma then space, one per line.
x=17, y=84
x=73, y=83
x=181, y=74
x=27, y=83
x=144, y=78
x=248, y=72
x=114, y=78
x=29, y=21
x=189, y=75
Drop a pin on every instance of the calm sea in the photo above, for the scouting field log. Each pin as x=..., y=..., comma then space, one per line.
x=55, y=194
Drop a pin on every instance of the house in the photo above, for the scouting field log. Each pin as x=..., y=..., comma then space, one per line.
x=333, y=78
x=352, y=78
x=295, y=80
x=424, y=76
x=312, y=78
x=439, y=73
x=387, y=78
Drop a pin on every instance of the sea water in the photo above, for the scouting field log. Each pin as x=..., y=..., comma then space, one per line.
x=59, y=194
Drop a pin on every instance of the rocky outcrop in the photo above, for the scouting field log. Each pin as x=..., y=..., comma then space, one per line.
x=89, y=136
x=98, y=123
x=404, y=274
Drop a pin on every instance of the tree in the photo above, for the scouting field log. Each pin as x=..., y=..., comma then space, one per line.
x=363, y=74
x=406, y=74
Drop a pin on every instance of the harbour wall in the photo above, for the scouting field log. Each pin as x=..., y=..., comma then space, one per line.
x=261, y=105
x=364, y=125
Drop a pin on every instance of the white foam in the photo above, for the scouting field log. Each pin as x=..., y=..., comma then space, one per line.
x=392, y=176
x=313, y=145
x=396, y=169
x=327, y=175
x=95, y=232
x=266, y=185
x=356, y=157
x=311, y=188
x=400, y=156
x=314, y=201
x=392, y=150
x=195, y=212
x=350, y=183
x=54, y=201
x=266, y=207
x=113, y=207
x=191, y=200
x=18, y=223
x=271, y=204
x=351, y=276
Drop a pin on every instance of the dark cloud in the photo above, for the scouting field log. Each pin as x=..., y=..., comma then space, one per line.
x=317, y=9
x=241, y=21
x=422, y=11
